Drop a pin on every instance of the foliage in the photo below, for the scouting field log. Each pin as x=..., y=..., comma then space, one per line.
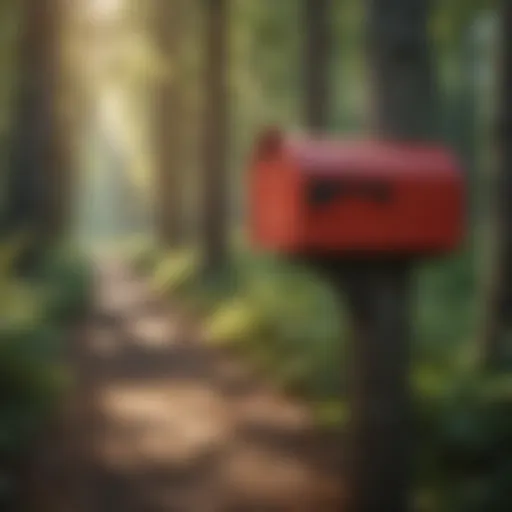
x=176, y=271
x=466, y=439
x=142, y=253
x=288, y=323
x=35, y=314
x=278, y=308
x=250, y=309
x=66, y=277
x=447, y=310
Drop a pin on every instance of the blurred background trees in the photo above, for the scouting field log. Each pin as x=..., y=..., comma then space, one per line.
x=316, y=20
x=215, y=137
x=135, y=118
x=169, y=123
x=497, y=350
x=35, y=202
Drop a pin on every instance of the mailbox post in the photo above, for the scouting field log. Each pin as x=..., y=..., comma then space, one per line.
x=362, y=212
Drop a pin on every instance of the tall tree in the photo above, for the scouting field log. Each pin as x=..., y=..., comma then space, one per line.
x=380, y=293
x=34, y=188
x=214, y=182
x=499, y=336
x=458, y=54
x=168, y=122
x=316, y=70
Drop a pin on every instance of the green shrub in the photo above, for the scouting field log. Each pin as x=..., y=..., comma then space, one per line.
x=66, y=277
x=142, y=253
x=33, y=375
x=176, y=272
x=447, y=310
x=289, y=323
x=276, y=313
x=31, y=380
x=465, y=424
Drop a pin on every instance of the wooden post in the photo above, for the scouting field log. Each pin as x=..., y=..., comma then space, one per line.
x=379, y=444
x=497, y=342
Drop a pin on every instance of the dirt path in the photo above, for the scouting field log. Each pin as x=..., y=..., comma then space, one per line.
x=160, y=422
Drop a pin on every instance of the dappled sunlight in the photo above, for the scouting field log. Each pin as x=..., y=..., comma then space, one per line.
x=113, y=154
x=256, y=472
x=172, y=424
x=196, y=319
x=266, y=410
x=255, y=402
x=105, y=9
x=153, y=332
x=125, y=299
x=183, y=418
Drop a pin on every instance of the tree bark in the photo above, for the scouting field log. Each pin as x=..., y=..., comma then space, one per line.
x=379, y=293
x=317, y=47
x=403, y=90
x=36, y=150
x=498, y=342
x=168, y=122
x=214, y=182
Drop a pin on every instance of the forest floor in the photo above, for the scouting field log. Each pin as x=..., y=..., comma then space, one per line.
x=160, y=421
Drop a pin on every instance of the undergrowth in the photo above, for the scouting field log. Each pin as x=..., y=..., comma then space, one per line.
x=35, y=315
x=288, y=323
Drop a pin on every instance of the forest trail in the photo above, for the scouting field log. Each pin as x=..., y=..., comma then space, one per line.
x=160, y=422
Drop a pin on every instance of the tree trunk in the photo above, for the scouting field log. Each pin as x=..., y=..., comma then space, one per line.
x=379, y=294
x=401, y=71
x=67, y=107
x=316, y=70
x=35, y=146
x=214, y=182
x=168, y=122
x=498, y=343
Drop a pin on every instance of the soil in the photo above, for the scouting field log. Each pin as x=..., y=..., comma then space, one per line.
x=160, y=421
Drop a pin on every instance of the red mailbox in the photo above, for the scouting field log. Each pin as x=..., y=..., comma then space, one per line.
x=316, y=196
